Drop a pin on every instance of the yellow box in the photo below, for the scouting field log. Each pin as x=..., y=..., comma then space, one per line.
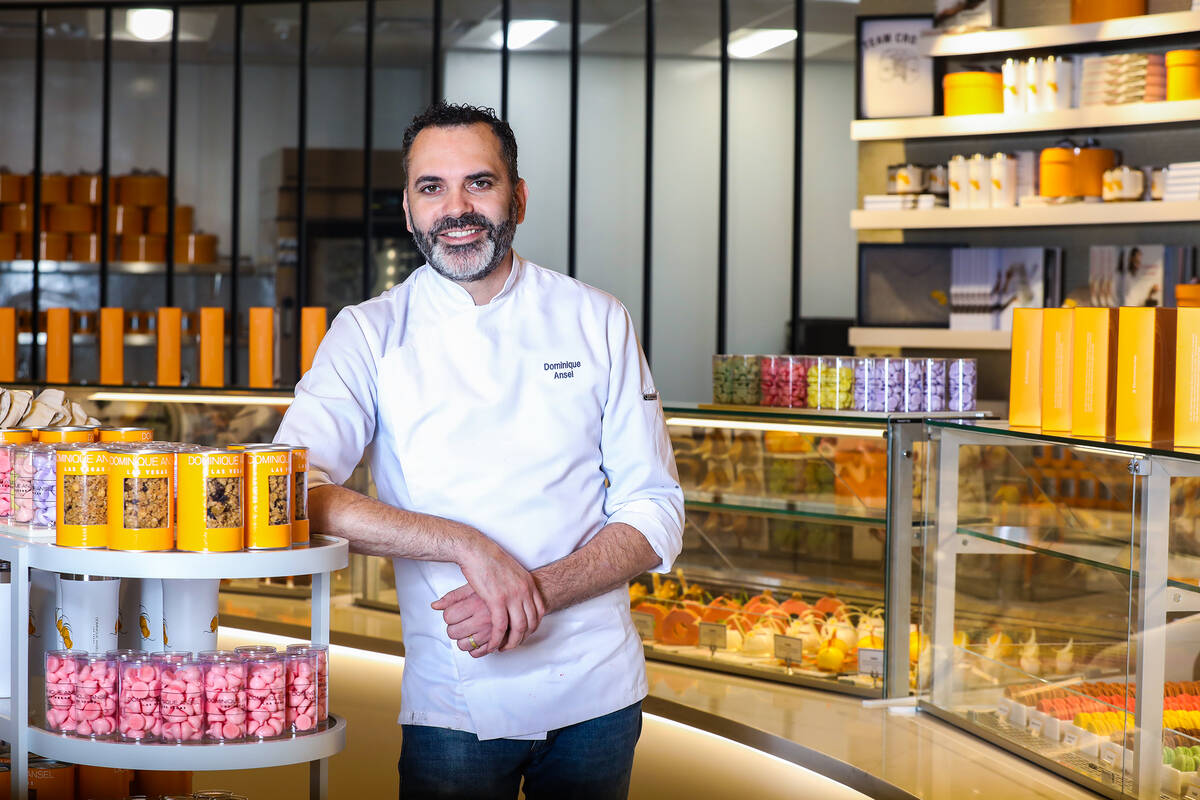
x=1187, y=378
x=1094, y=399
x=1145, y=374
x=1025, y=384
x=1058, y=343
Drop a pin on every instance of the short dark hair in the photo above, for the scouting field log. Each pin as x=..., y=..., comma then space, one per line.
x=451, y=115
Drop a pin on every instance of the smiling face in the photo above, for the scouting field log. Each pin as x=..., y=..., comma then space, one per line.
x=460, y=202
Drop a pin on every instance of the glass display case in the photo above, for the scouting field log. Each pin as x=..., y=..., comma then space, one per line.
x=1060, y=596
x=797, y=552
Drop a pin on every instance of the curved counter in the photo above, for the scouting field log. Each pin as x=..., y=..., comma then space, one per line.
x=871, y=748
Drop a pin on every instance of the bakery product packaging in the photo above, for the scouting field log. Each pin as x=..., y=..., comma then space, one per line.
x=1145, y=374
x=1094, y=399
x=1187, y=378
x=1025, y=383
x=1057, y=346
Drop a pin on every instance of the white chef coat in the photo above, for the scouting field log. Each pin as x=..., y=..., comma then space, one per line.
x=509, y=417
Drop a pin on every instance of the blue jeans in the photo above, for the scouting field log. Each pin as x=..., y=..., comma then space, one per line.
x=591, y=760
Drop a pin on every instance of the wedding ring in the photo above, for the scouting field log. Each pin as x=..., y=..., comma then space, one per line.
x=474, y=644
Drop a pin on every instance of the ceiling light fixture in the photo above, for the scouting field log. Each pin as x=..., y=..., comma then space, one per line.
x=757, y=42
x=522, y=32
x=149, y=24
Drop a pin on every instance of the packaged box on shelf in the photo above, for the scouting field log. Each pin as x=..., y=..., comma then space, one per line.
x=1058, y=344
x=1187, y=378
x=1025, y=384
x=1145, y=374
x=1094, y=402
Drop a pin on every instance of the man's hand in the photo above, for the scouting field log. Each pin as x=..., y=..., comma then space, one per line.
x=467, y=618
x=514, y=605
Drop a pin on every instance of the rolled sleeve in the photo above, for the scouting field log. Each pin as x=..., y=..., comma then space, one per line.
x=643, y=484
x=334, y=410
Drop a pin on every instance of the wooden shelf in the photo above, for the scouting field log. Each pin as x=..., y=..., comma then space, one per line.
x=930, y=339
x=1071, y=119
x=1027, y=216
x=1149, y=26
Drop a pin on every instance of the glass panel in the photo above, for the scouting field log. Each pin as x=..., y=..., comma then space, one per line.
x=470, y=41
x=761, y=147
x=686, y=134
x=18, y=41
x=539, y=105
x=403, y=61
x=269, y=176
x=1027, y=606
x=785, y=534
x=611, y=148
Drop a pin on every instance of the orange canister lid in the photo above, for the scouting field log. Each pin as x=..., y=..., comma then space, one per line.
x=67, y=434
x=980, y=79
x=1058, y=154
x=132, y=434
x=16, y=435
x=1183, y=58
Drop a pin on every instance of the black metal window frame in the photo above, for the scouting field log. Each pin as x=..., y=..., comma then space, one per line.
x=437, y=74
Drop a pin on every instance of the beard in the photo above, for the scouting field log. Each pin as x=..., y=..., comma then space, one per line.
x=466, y=263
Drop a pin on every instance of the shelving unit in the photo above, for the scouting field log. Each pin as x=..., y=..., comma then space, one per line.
x=1028, y=216
x=1087, y=118
x=930, y=339
x=324, y=555
x=1149, y=26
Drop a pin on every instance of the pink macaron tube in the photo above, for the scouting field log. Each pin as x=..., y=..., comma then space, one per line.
x=266, y=704
x=301, y=669
x=60, y=690
x=94, y=710
x=321, y=651
x=224, y=674
x=182, y=701
x=139, y=714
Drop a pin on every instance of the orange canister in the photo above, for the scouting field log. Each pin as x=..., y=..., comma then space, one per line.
x=51, y=780
x=12, y=187
x=81, y=517
x=110, y=434
x=56, y=188
x=210, y=510
x=268, y=498
x=8, y=246
x=143, y=248
x=126, y=220
x=141, y=494
x=185, y=217
x=55, y=246
x=86, y=247
x=1057, y=170
x=138, y=189
x=1091, y=162
x=1187, y=295
x=973, y=93
x=1183, y=74
x=65, y=434
x=18, y=218
x=16, y=435
x=1100, y=10
x=85, y=189
x=299, y=496
x=70, y=218
x=196, y=248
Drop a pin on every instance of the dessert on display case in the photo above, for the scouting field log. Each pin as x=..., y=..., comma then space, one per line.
x=1060, y=597
x=790, y=546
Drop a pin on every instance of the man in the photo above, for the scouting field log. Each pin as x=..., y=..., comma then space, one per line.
x=524, y=477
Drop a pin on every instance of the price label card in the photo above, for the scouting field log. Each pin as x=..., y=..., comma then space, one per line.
x=1109, y=754
x=644, y=623
x=1035, y=727
x=870, y=662
x=713, y=634
x=1192, y=792
x=789, y=648
x=1071, y=738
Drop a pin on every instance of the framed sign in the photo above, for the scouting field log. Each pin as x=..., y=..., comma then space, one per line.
x=894, y=79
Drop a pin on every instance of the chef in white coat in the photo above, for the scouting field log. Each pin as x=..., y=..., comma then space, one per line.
x=524, y=476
